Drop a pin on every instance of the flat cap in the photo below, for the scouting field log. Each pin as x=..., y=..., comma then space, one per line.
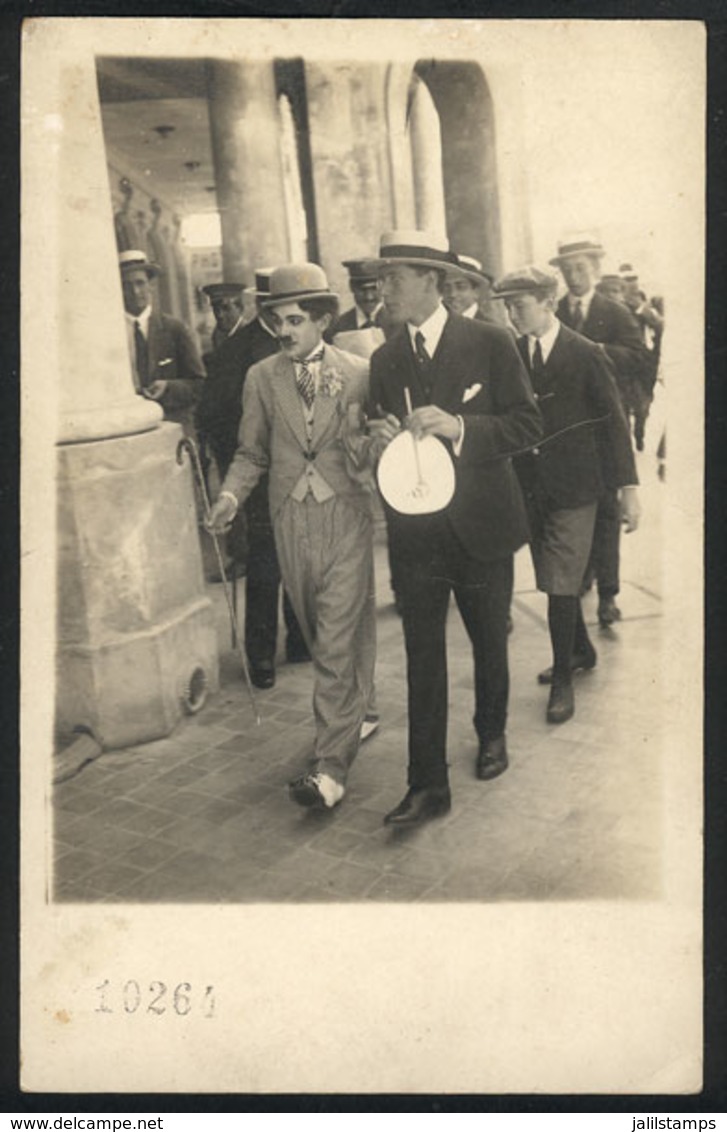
x=524, y=281
x=223, y=290
x=361, y=270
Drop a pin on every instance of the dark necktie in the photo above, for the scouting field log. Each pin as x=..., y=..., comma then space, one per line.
x=577, y=315
x=424, y=363
x=142, y=355
x=305, y=380
x=538, y=366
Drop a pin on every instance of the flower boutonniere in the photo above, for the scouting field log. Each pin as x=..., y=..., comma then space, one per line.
x=331, y=384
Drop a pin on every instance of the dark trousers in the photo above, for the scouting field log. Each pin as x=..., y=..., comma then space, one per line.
x=483, y=592
x=262, y=590
x=605, y=552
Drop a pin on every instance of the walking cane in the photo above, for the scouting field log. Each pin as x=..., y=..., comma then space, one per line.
x=186, y=443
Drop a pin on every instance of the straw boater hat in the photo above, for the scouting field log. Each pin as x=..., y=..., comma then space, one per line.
x=473, y=269
x=135, y=260
x=296, y=281
x=524, y=281
x=585, y=243
x=416, y=249
x=261, y=287
x=223, y=290
x=361, y=270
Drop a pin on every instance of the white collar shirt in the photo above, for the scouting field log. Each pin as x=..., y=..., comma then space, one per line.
x=362, y=318
x=584, y=300
x=546, y=340
x=471, y=311
x=431, y=330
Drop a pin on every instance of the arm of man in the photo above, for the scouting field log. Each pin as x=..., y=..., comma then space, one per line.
x=617, y=456
x=252, y=457
x=514, y=422
x=183, y=390
x=625, y=347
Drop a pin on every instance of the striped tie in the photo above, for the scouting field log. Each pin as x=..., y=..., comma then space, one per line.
x=305, y=380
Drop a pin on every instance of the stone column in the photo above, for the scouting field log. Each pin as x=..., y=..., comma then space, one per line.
x=351, y=169
x=248, y=169
x=134, y=623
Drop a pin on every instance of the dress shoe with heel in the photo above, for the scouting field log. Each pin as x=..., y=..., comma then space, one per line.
x=561, y=703
x=580, y=662
x=608, y=612
x=263, y=674
x=492, y=759
x=420, y=805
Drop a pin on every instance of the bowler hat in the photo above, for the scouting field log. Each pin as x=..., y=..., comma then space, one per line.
x=222, y=290
x=296, y=281
x=261, y=287
x=415, y=248
x=137, y=260
x=361, y=270
x=582, y=244
x=525, y=281
x=473, y=269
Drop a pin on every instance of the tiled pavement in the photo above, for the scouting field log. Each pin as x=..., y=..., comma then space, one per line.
x=204, y=815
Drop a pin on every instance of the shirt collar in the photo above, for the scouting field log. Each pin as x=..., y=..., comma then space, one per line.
x=235, y=328
x=470, y=312
x=316, y=350
x=547, y=340
x=431, y=329
x=267, y=329
x=142, y=319
x=362, y=317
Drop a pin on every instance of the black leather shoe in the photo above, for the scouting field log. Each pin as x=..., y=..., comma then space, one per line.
x=580, y=662
x=420, y=805
x=608, y=612
x=561, y=704
x=492, y=759
x=263, y=674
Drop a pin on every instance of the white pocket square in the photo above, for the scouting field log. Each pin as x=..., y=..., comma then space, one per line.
x=165, y=361
x=470, y=392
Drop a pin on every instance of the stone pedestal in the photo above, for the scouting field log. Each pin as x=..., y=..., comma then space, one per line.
x=135, y=626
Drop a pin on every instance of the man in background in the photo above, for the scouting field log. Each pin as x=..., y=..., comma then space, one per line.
x=165, y=362
x=250, y=538
x=614, y=328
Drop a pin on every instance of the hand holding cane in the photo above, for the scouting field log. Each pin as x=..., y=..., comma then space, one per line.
x=187, y=444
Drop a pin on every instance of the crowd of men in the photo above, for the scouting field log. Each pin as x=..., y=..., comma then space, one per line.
x=297, y=412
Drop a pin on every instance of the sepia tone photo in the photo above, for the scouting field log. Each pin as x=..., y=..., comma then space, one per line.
x=367, y=460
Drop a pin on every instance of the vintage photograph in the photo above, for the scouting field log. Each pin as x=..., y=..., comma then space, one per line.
x=374, y=382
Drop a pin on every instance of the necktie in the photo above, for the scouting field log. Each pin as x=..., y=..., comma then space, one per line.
x=305, y=380
x=538, y=366
x=142, y=355
x=577, y=319
x=424, y=362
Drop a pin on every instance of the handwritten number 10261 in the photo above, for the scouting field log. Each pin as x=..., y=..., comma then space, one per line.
x=158, y=998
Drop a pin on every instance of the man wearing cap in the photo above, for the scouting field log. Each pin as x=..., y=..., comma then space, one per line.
x=467, y=385
x=165, y=362
x=649, y=314
x=466, y=289
x=302, y=421
x=250, y=537
x=227, y=305
x=613, y=327
x=367, y=309
x=585, y=447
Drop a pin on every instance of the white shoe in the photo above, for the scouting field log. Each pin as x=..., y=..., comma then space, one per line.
x=369, y=727
x=318, y=790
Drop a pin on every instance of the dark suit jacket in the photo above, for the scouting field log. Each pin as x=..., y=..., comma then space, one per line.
x=174, y=358
x=613, y=325
x=220, y=407
x=478, y=375
x=577, y=386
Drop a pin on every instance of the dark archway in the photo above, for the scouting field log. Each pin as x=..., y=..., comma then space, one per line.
x=466, y=112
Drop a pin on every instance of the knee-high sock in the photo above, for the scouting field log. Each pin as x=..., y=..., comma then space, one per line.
x=582, y=642
x=562, y=617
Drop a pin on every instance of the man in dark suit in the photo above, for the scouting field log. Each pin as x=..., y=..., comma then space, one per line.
x=585, y=448
x=218, y=421
x=367, y=309
x=227, y=307
x=468, y=386
x=611, y=325
x=466, y=290
x=165, y=361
